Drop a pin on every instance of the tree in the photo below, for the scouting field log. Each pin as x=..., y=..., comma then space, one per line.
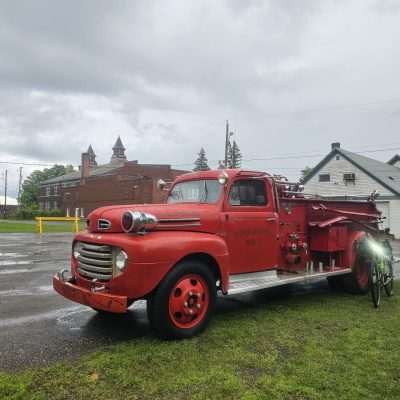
x=304, y=173
x=236, y=156
x=229, y=156
x=30, y=186
x=201, y=162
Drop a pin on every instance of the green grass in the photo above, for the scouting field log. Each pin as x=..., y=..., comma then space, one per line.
x=9, y=226
x=316, y=346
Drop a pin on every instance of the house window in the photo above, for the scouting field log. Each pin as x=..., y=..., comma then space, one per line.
x=55, y=190
x=324, y=178
x=349, y=178
x=48, y=190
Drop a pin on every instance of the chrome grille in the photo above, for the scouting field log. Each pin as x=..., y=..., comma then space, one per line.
x=95, y=261
x=103, y=224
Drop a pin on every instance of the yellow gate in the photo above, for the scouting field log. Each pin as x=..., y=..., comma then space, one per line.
x=40, y=220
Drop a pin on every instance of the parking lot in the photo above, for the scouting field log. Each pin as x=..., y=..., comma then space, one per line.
x=37, y=326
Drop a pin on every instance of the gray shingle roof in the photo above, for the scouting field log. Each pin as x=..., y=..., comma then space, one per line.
x=76, y=175
x=386, y=174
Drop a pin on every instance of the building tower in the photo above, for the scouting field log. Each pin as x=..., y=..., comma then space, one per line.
x=92, y=156
x=118, y=152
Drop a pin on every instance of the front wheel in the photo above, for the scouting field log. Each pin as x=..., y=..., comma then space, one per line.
x=375, y=283
x=183, y=303
x=388, y=279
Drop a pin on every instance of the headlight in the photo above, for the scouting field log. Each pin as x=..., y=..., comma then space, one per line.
x=377, y=248
x=121, y=260
x=76, y=250
x=136, y=221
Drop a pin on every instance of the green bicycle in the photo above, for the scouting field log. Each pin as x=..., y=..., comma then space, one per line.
x=381, y=270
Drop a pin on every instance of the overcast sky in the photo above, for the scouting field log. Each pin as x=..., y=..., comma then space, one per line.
x=291, y=77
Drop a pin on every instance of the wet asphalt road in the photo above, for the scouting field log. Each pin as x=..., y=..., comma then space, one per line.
x=37, y=326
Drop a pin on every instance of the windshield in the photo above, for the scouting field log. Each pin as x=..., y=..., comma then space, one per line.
x=199, y=191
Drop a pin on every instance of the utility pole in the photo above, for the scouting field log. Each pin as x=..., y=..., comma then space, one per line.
x=19, y=186
x=5, y=193
x=226, y=143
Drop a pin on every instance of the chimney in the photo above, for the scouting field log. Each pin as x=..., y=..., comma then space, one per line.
x=85, y=166
x=335, y=145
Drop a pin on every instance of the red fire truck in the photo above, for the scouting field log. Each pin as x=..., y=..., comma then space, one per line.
x=229, y=231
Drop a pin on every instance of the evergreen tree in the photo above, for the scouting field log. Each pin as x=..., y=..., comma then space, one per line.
x=304, y=173
x=236, y=156
x=201, y=162
x=230, y=156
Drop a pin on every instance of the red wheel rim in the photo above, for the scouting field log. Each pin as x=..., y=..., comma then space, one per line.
x=188, y=301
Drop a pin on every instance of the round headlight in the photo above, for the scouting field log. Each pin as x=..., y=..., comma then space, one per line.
x=121, y=260
x=76, y=250
x=127, y=221
x=137, y=221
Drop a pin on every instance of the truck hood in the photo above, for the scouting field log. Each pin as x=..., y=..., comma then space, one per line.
x=184, y=216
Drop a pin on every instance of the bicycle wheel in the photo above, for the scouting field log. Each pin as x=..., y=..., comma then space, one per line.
x=374, y=279
x=388, y=279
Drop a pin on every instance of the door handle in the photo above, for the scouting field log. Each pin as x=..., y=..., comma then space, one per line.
x=271, y=219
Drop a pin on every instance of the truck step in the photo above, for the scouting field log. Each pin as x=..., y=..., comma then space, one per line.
x=242, y=283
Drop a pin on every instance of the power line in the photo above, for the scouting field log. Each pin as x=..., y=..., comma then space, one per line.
x=288, y=156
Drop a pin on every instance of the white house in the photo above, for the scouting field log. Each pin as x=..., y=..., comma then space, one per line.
x=346, y=175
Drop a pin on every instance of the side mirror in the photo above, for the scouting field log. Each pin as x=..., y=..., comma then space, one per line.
x=223, y=178
x=162, y=185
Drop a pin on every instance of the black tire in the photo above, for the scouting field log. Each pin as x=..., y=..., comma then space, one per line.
x=388, y=279
x=375, y=283
x=159, y=308
x=358, y=281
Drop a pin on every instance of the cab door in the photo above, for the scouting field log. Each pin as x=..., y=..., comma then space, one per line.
x=251, y=224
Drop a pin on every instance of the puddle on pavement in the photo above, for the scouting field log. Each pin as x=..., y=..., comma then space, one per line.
x=14, y=271
x=16, y=255
x=40, y=290
x=7, y=263
x=40, y=317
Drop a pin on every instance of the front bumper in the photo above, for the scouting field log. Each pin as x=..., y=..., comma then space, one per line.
x=99, y=300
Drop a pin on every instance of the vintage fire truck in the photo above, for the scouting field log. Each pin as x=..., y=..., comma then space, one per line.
x=228, y=231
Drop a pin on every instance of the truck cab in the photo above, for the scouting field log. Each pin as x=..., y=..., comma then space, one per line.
x=227, y=231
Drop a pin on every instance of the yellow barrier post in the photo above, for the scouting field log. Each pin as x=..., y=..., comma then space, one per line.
x=39, y=224
x=76, y=224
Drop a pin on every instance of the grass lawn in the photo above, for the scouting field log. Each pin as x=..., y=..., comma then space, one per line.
x=10, y=226
x=315, y=346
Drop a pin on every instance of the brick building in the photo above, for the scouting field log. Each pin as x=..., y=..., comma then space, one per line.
x=118, y=182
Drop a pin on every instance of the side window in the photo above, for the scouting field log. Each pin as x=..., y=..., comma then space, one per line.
x=248, y=192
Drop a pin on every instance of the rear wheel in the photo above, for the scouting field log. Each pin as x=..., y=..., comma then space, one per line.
x=388, y=279
x=358, y=281
x=374, y=276
x=183, y=303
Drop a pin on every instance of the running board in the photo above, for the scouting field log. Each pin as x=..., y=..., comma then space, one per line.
x=242, y=283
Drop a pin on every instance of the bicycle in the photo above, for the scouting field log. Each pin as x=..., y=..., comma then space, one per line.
x=381, y=271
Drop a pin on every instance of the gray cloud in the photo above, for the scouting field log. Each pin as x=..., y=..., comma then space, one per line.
x=291, y=76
